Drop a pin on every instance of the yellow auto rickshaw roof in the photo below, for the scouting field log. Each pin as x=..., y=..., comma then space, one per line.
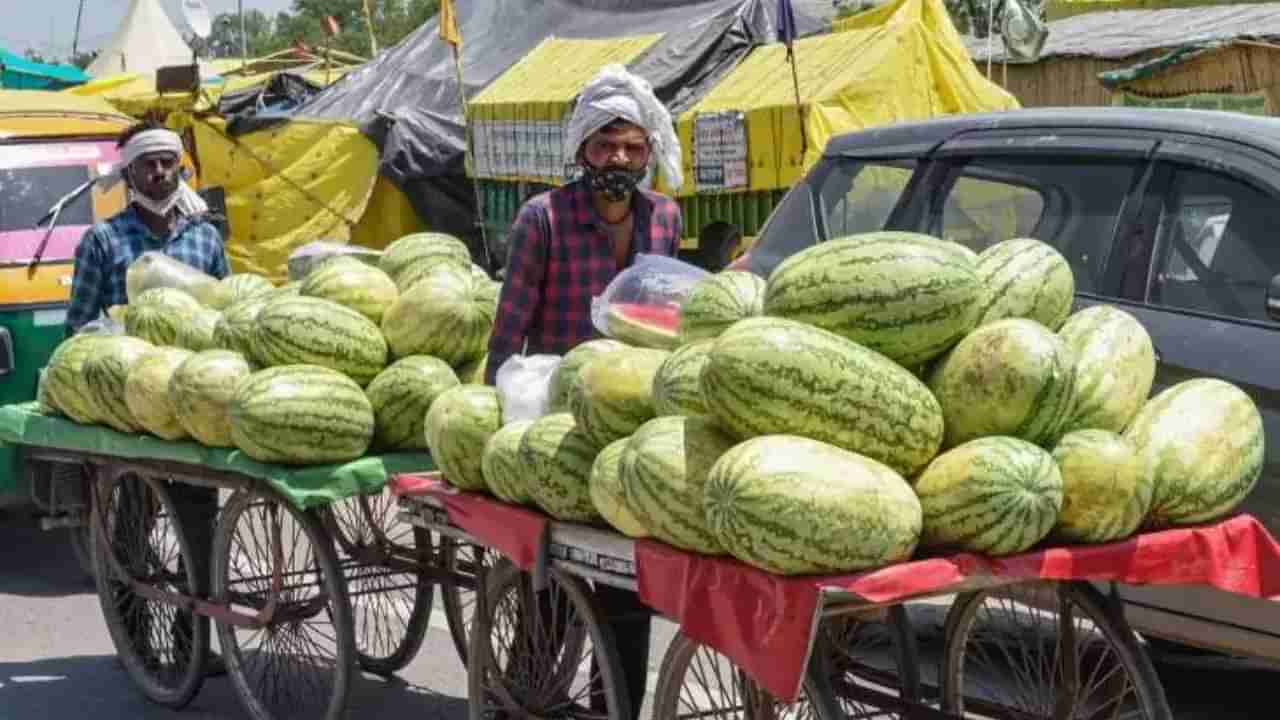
x=36, y=113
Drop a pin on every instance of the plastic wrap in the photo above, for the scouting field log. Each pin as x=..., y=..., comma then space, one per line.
x=154, y=269
x=524, y=386
x=306, y=258
x=641, y=306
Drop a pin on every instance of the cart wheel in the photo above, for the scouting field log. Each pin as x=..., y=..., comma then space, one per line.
x=542, y=654
x=391, y=608
x=1046, y=650
x=300, y=663
x=866, y=668
x=459, y=598
x=162, y=647
x=695, y=682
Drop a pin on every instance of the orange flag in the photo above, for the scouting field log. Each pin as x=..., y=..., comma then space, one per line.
x=449, y=24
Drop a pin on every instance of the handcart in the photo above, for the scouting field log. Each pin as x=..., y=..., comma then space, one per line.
x=1034, y=636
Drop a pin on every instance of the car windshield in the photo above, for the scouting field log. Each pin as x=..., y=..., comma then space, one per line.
x=27, y=193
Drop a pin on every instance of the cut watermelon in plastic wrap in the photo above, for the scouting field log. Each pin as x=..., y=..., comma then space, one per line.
x=650, y=326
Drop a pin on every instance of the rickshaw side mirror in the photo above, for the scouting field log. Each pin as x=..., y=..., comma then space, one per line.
x=7, y=361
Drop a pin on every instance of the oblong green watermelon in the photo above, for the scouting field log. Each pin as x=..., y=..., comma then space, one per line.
x=310, y=331
x=354, y=284
x=500, y=464
x=1115, y=367
x=236, y=326
x=770, y=376
x=155, y=315
x=563, y=377
x=607, y=492
x=993, y=495
x=412, y=257
x=64, y=378
x=200, y=331
x=1204, y=440
x=146, y=392
x=718, y=302
x=201, y=389
x=677, y=386
x=1026, y=278
x=438, y=316
x=236, y=287
x=402, y=394
x=557, y=457
x=613, y=393
x=458, y=425
x=300, y=415
x=905, y=295
x=105, y=372
x=1107, y=487
x=791, y=505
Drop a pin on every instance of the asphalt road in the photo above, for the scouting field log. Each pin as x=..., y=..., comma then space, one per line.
x=56, y=660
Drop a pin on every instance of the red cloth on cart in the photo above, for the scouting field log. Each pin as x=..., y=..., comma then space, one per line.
x=764, y=623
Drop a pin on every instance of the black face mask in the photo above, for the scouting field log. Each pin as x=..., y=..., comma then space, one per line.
x=614, y=183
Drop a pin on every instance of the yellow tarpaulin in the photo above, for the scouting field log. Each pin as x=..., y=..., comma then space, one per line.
x=902, y=61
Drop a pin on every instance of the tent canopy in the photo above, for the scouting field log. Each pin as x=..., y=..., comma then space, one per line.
x=19, y=73
x=145, y=41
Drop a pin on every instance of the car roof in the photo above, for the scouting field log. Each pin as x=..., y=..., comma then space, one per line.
x=1260, y=132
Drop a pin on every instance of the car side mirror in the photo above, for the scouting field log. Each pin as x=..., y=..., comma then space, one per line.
x=8, y=363
x=1273, y=299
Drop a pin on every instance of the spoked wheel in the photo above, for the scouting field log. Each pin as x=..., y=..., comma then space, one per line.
x=697, y=682
x=390, y=603
x=472, y=561
x=271, y=558
x=542, y=654
x=1048, y=650
x=161, y=645
x=867, y=668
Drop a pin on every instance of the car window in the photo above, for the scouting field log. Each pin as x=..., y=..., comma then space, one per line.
x=1071, y=203
x=1216, y=249
x=27, y=193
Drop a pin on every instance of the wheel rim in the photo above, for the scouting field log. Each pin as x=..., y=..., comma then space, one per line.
x=862, y=668
x=698, y=682
x=460, y=599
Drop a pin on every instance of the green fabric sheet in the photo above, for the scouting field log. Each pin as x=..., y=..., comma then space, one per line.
x=303, y=486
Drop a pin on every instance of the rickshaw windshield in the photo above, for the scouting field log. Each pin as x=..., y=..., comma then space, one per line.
x=27, y=193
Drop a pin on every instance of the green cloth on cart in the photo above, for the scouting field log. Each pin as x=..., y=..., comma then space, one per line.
x=303, y=486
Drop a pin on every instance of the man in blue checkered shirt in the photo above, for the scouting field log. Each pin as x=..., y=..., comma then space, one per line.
x=164, y=214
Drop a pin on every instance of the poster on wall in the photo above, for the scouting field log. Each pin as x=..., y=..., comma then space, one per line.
x=720, y=151
x=1248, y=103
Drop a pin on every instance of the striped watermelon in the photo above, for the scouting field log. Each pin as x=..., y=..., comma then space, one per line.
x=1204, y=441
x=718, y=302
x=401, y=396
x=677, y=386
x=1011, y=377
x=905, y=295
x=146, y=392
x=1115, y=367
x=236, y=327
x=557, y=457
x=667, y=462
x=769, y=376
x=199, y=332
x=300, y=415
x=439, y=317
x=201, y=389
x=481, y=275
x=458, y=425
x=473, y=372
x=1106, y=487
x=993, y=495
x=1026, y=278
x=613, y=393
x=155, y=315
x=234, y=288
x=607, y=493
x=485, y=292
x=645, y=326
x=570, y=365
x=790, y=505
x=311, y=331
x=412, y=256
x=503, y=474
x=105, y=372
x=352, y=283
x=64, y=377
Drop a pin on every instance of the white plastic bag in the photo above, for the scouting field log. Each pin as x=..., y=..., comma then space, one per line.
x=641, y=306
x=154, y=269
x=524, y=384
x=306, y=258
x=102, y=326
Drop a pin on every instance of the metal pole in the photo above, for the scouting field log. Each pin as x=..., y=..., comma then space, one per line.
x=75, y=43
x=244, y=36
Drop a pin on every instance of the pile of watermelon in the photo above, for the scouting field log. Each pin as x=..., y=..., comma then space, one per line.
x=876, y=397
x=322, y=370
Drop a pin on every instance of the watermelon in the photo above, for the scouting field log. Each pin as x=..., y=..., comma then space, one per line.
x=406, y=260
x=402, y=394
x=1025, y=278
x=1011, y=377
x=1204, y=441
x=907, y=296
x=677, y=386
x=457, y=427
x=156, y=314
x=667, y=462
x=199, y=332
x=146, y=392
x=234, y=288
x=557, y=457
x=311, y=331
x=236, y=326
x=300, y=415
x=613, y=393
x=770, y=376
x=608, y=495
x=1115, y=366
x=353, y=284
x=994, y=495
x=201, y=389
x=473, y=372
x=646, y=326
x=438, y=316
x=64, y=377
x=563, y=377
x=718, y=302
x=291, y=288
x=791, y=505
x=503, y=474
x=105, y=372
x=1106, y=487
x=481, y=275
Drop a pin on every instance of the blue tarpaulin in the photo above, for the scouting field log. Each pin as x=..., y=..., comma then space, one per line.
x=19, y=73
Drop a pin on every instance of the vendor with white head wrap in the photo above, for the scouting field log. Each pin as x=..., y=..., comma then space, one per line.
x=567, y=244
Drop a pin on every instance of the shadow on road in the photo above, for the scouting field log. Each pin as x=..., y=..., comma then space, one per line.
x=37, y=563
x=89, y=686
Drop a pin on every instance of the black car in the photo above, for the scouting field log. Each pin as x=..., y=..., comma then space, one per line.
x=1172, y=215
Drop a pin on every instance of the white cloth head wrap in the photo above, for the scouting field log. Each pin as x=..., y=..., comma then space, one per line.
x=187, y=201
x=615, y=93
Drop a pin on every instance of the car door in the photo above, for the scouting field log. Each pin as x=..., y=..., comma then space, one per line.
x=1208, y=250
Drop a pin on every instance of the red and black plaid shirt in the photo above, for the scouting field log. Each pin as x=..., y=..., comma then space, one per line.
x=560, y=257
